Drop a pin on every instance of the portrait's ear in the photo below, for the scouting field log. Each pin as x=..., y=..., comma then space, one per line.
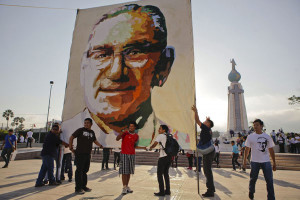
x=163, y=67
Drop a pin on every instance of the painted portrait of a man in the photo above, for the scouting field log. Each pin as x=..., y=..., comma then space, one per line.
x=127, y=55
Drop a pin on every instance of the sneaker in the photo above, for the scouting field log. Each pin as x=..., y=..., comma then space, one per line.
x=70, y=180
x=54, y=184
x=86, y=189
x=81, y=191
x=251, y=195
x=167, y=192
x=129, y=190
x=124, y=191
x=206, y=194
x=62, y=178
x=5, y=166
x=59, y=182
x=159, y=194
x=39, y=185
x=46, y=182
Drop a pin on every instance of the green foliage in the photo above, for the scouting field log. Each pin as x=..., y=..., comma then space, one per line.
x=7, y=115
x=215, y=134
x=3, y=133
x=294, y=100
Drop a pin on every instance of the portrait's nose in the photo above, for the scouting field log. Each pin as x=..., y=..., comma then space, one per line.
x=115, y=71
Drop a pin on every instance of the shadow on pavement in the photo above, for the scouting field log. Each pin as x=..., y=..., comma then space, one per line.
x=17, y=183
x=19, y=175
x=174, y=172
x=25, y=192
x=281, y=183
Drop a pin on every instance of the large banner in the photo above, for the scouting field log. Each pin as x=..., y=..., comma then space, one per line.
x=132, y=62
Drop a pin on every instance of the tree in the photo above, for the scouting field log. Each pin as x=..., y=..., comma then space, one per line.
x=294, y=100
x=16, y=121
x=21, y=127
x=21, y=120
x=7, y=115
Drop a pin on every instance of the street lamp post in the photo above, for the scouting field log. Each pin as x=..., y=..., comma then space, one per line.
x=51, y=83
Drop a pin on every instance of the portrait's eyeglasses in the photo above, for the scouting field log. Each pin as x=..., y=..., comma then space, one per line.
x=133, y=52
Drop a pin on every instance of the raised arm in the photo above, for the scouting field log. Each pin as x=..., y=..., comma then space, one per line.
x=196, y=115
x=119, y=136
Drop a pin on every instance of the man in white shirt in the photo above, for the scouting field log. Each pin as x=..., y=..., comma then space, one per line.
x=21, y=138
x=261, y=145
x=164, y=162
x=29, y=138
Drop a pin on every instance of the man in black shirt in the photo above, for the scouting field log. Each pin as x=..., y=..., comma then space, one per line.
x=205, y=137
x=49, y=153
x=85, y=138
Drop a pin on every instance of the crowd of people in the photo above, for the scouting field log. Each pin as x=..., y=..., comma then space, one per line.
x=258, y=142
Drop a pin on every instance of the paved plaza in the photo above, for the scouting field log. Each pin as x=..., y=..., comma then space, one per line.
x=17, y=182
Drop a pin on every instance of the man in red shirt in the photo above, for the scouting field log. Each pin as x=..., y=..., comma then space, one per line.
x=127, y=163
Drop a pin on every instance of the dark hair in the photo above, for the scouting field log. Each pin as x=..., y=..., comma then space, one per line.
x=259, y=121
x=55, y=126
x=10, y=130
x=211, y=123
x=165, y=128
x=232, y=142
x=89, y=119
x=134, y=123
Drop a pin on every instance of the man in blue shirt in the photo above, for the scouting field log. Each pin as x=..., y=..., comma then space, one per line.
x=9, y=143
x=235, y=155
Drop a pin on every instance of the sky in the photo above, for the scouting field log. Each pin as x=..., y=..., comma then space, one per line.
x=261, y=35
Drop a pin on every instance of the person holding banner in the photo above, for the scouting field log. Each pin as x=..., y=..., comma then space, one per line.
x=9, y=143
x=208, y=155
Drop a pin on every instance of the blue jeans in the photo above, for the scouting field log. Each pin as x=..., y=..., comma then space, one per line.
x=47, y=166
x=199, y=163
x=268, y=174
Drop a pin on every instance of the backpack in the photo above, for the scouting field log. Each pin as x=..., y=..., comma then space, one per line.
x=172, y=146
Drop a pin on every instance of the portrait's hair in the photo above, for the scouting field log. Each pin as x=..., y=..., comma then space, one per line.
x=232, y=142
x=211, y=123
x=152, y=11
x=165, y=128
x=10, y=130
x=134, y=123
x=89, y=119
x=259, y=121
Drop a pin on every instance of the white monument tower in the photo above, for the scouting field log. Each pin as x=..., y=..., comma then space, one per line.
x=237, y=115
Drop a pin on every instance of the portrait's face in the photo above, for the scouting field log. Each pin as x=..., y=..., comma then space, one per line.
x=262, y=144
x=121, y=61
